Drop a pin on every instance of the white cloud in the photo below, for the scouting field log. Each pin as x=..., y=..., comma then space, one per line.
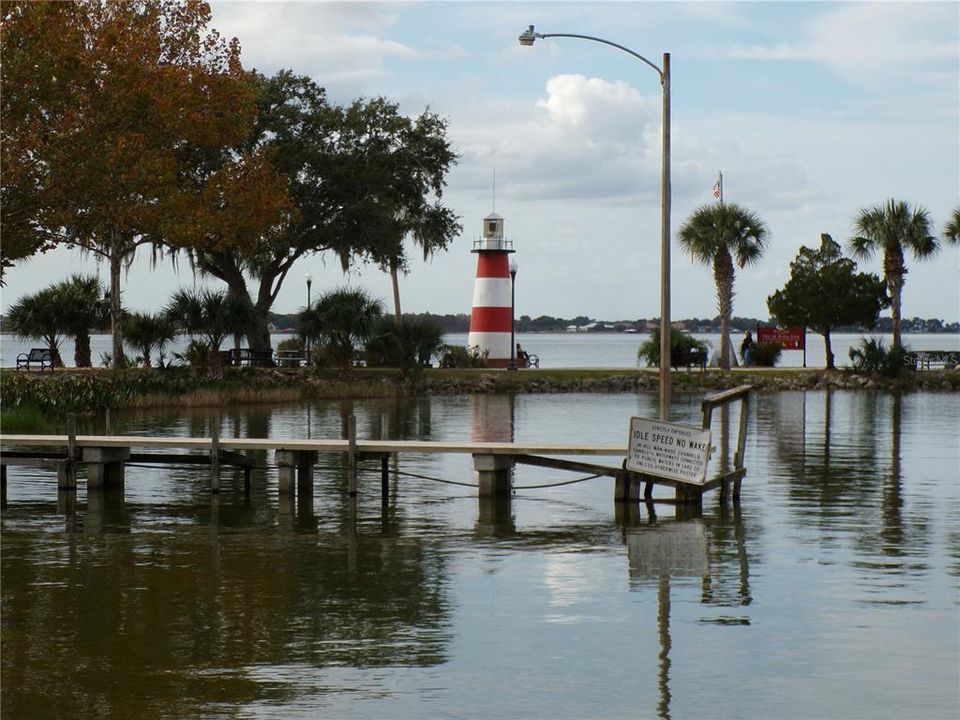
x=340, y=45
x=867, y=41
x=587, y=138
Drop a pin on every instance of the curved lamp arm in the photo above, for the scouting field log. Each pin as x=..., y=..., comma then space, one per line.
x=529, y=35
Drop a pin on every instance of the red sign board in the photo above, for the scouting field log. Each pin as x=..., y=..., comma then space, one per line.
x=789, y=338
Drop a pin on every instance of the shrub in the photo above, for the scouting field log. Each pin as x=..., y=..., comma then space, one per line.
x=458, y=356
x=408, y=346
x=292, y=344
x=766, y=354
x=649, y=351
x=873, y=358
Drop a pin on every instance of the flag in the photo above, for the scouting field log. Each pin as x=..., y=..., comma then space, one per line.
x=718, y=188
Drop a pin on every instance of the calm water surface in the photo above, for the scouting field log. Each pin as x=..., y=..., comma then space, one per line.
x=831, y=591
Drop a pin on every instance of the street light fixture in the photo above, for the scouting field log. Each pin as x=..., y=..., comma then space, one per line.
x=309, y=278
x=527, y=38
x=513, y=315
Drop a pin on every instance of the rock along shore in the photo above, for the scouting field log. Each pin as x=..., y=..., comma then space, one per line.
x=629, y=380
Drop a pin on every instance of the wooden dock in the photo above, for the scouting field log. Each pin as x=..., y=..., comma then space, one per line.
x=320, y=446
x=105, y=457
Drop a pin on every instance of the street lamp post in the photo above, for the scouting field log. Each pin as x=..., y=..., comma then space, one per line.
x=513, y=315
x=309, y=278
x=527, y=38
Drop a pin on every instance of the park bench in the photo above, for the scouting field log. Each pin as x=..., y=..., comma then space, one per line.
x=41, y=357
x=691, y=357
x=247, y=357
x=927, y=359
x=291, y=358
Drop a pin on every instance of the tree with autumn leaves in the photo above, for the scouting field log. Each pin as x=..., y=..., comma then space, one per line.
x=133, y=124
x=139, y=90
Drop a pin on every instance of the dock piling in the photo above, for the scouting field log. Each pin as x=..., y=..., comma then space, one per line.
x=493, y=474
x=67, y=469
x=105, y=467
x=384, y=462
x=352, y=455
x=626, y=487
x=291, y=463
x=215, y=455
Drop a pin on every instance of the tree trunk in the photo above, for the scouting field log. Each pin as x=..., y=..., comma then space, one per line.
x=894, y=271
x=224, y=267
x=895, y=286
x=829, y=349
x=116, y=309
x=81, y=350
x=54, y=347
x=260, y=337
x=395, y=277
x=259, y=333
x=723, y=276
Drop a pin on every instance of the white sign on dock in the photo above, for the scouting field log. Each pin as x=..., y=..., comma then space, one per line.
x=668, y=450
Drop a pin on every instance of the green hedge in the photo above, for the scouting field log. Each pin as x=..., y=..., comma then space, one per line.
x=65, y=392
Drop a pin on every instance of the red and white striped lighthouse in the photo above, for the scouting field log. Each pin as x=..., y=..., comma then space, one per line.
x=492, y=316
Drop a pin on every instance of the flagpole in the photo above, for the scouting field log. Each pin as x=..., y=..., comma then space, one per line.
x=721, y=186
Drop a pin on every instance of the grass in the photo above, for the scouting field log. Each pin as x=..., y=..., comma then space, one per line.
x=23, y=420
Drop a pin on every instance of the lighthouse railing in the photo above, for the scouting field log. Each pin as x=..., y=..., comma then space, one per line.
x=493, y=244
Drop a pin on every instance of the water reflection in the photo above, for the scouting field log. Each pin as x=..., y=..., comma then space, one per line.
x=712, y=549
x=191, y=593
x=846, y=477
x=839, y=569
x=495, y=518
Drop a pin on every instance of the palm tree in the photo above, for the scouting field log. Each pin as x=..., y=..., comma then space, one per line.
x=38, y=316
x=715, y=235
x=209, y=315
x=83, y=308
x=342, y=321
x=146, y=331
x=408, y=346
x=890, y=228
x=951, y=232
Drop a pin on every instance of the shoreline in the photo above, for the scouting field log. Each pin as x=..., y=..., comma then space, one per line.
x=97, y=389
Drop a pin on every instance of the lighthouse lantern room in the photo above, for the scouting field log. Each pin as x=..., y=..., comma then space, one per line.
x=492, y=316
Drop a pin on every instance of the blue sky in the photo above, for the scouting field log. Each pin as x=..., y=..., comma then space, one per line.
x=811, y=110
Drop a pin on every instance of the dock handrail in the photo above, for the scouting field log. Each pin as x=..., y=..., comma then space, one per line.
x=741, y=393
x=726, y=396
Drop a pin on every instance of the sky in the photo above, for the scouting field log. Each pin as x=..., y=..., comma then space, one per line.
x=811, y=110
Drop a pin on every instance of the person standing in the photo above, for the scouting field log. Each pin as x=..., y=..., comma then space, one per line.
x=746, y=349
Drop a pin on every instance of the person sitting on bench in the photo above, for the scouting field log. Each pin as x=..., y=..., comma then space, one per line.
x=523, y=358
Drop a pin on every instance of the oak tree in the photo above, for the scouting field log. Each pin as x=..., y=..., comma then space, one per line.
x=360, y=178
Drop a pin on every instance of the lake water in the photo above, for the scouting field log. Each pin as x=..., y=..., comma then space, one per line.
x=560, y=350
x=830, y=591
